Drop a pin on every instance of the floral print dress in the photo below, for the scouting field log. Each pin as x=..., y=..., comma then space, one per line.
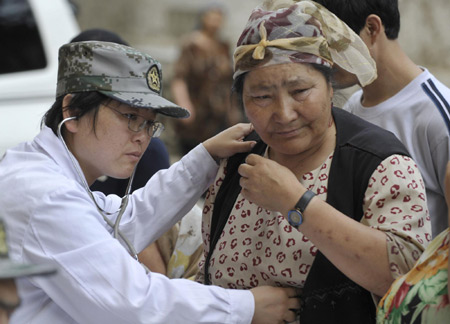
x=259, y=247
x=421, y=295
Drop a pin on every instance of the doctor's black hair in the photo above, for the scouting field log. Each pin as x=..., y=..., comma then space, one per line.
x=80, y=104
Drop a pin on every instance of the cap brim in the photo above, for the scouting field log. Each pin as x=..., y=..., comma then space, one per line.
x=10, y=269
x=150, y=101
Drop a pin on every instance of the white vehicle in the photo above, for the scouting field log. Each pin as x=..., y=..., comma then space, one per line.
x=31, y=32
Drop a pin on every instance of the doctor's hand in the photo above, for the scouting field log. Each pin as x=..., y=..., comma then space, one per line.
x=229, y=141
x=275, y=305
x=269, y=184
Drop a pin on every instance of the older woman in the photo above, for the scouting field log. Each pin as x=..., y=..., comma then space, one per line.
x=329, y=202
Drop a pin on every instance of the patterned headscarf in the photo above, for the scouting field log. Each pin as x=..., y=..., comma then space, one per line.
x=286, y=31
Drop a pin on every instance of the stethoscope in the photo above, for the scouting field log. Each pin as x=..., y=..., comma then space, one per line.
x=114, y=225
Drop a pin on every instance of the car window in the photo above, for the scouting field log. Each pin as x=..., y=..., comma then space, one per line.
x=22, y=48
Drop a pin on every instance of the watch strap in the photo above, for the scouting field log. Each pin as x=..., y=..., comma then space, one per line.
x=299, y=209
x=304, y=200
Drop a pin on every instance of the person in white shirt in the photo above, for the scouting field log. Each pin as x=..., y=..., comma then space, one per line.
x=108, y=96
x=405, y=99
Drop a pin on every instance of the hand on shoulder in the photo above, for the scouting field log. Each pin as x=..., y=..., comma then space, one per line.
x=229, y=141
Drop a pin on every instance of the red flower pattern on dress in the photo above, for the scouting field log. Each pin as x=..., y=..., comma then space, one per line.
x=288, y=228
x=222, y=259
x=258, y=224
x=244, y=228
x=297, y=255
x=290, y=242
x=395, y=191
x=222, y=245
x=257, y=261
x=286, y=273
x=395, y=160
x=265, y=276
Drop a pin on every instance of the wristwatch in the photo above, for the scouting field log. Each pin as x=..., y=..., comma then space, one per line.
x=295, y=216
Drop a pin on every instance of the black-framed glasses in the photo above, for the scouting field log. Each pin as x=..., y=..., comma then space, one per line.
x=137, y=123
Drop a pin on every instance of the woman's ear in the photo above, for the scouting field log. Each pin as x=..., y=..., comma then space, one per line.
x=71, y=125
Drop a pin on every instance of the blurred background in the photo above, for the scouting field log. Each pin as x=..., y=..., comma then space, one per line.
x=158, y=28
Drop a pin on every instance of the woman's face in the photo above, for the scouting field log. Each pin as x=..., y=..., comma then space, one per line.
x=113, y=149
x=289, y=106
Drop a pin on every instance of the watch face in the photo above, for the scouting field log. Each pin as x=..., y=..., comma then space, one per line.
x=294, y=217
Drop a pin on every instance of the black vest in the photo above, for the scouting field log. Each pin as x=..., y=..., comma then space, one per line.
x=328, y=295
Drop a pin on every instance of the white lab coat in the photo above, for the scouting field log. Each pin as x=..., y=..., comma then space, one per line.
x=51, y=219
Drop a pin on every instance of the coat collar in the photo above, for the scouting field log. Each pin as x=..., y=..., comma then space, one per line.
x=54, y=149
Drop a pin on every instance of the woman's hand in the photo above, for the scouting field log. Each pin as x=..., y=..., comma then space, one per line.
x=229, y=142
x=275, y=305
x=269, y=184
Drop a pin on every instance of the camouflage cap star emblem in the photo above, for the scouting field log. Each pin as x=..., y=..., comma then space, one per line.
x=153, y=79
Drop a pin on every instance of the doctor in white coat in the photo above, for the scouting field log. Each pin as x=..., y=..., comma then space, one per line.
x=108, y=96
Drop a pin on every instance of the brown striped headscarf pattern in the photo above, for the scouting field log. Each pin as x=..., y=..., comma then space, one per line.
x=287, y=31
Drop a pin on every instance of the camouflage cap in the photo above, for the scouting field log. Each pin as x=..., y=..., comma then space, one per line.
x=117, y=71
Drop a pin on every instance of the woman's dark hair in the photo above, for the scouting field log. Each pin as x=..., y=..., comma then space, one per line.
x=238, y=83
x=81, y=104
